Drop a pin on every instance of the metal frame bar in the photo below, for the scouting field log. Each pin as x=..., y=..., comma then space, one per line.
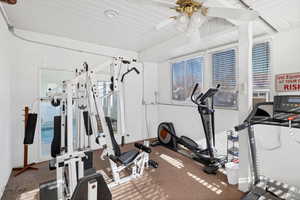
x=67, y=162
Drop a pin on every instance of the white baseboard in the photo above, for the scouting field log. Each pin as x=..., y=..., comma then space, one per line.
x=244, y=184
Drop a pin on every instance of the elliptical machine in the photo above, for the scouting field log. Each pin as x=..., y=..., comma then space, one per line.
x=168, y=138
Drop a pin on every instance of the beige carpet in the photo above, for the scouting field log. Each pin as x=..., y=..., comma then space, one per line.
x=177, y=178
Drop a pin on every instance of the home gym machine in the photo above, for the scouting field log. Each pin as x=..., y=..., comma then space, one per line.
x=136, y=159
x=168, y=138
x=80, y=100
x=284, y=112
x=75, y=178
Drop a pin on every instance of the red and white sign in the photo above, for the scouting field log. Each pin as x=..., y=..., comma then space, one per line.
x=287, y=82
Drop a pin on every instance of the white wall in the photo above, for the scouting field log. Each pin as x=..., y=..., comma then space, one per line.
x=26, y=83
x=186, y=119
x=285, y=59
x=141, y=118
x=6, y=54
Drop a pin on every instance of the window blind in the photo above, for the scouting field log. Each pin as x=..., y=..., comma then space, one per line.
x=224, y=69
x=261, y=66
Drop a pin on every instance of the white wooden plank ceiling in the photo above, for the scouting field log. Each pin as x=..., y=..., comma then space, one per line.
x=133, y=29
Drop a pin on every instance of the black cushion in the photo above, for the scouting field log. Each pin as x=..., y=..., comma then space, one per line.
x=30, y=128
x=87, y=123
x=48, y=190
x=116, y=147
x=56, y=141
x=81, y=190
x=128, y=156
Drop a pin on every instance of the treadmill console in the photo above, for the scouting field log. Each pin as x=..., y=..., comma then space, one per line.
x=289, y=104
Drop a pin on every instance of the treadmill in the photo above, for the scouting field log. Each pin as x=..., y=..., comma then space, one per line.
x=284, y=112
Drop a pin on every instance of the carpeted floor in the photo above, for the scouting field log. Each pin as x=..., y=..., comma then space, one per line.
x=177, y=178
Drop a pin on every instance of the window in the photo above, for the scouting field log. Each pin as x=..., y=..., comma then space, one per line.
x=50, y=79
x=53, y=79
x=109, y=102
x=260, y=96
x=261, y=72
x=224, y=73
x=185, y=75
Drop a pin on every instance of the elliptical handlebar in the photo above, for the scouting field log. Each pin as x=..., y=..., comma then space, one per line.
x=203, y=96
x=193, y=93
x=194, y=90
x=199, y=97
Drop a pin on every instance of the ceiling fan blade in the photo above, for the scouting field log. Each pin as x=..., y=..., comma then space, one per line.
x=231, y=13
x=165, y=23
x=160, y=3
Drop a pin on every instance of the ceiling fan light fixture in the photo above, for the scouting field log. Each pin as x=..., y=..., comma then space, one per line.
x=183, y=19
x=196, y=19
x=182, y=27
x=192, y=28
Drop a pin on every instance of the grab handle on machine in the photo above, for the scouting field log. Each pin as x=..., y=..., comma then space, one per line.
x=199, y=97
x=194, y=90
x=130, y=70
x=122, y=140
x=115, y=159
x=142, y=147
x=241, y=126
x=136, y=70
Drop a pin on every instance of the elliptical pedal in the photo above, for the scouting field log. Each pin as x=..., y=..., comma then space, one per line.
x=211, y=169
x=153, y=164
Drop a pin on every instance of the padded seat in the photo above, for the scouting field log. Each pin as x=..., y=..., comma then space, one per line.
x=124, y=158
x=127, y=157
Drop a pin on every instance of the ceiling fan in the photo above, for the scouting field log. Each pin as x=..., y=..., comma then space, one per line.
x=191, y=14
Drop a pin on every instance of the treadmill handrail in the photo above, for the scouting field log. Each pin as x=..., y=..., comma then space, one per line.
x=247, y=121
